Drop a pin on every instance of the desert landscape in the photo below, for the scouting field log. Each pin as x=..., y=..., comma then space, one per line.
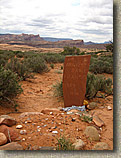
x=32, y=111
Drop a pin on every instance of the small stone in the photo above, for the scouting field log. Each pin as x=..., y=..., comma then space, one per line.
x=3, y=139
x=92, y=133
x=79, y=144
x=19, y=126
x=45, y=125
x=23, y=139
x=73, y=119
x=69, y=113
x=54, y=132
x=101, y=146
x=11, y=146
x=92, y=105
x=51, y=113
x=38, y=126
x=98, y=121
x=61, y=130
x=25, y=122
x=23, y=132
x=109, y=108
x=62, y=113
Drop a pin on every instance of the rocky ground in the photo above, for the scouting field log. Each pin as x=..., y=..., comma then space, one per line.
x=42, y=129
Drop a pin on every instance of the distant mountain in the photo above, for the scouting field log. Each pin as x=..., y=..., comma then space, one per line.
x=92, y=43
x=51, y=39
x=21, y=37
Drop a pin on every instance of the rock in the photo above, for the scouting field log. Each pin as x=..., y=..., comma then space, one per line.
x=101, y=146
x=69, y=113
x=109, y=108
x=73, y=119
x=92, y=105
x=54, y=132
x=7, y=120
x=47, y=148
x=79, y=144
x=10, y=133
x=35, y=147
x=50, y=111
x=23, y=132
x=98, y=121
x=30, y=113
x=19, y=126
x=11, y=146
x=92, y=133
x=3, y=139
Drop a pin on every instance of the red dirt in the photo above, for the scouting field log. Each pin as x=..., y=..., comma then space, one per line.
x=38, y=95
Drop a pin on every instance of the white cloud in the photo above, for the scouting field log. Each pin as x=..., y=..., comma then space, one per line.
x=87, y=20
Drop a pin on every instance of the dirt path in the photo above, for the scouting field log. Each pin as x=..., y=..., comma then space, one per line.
x=39, y=93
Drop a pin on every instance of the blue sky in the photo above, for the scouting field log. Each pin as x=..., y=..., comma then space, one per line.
x=90, y=20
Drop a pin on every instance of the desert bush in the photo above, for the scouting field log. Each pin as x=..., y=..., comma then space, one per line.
x=64, y=144
x=21, y=69
x=97, y=83
x=58, y=89
x=53, y=57
x=102, y=64
x=52, y=66
x=9, y=84
x=36, y=64
x=71, y=51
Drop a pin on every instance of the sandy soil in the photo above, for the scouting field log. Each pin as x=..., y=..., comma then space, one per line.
x=38, y=95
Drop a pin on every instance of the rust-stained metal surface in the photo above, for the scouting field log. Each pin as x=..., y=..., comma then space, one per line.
x=74, y=79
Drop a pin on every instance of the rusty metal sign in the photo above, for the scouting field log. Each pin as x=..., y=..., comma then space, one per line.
x=74, y=79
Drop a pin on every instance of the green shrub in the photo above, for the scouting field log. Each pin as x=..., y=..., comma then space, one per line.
x=97, y=83
x=9, y=86
x=52, y=66
x=58, y=89
x=64, y=144
x=71, y=51
x=37, y=64
x=53, y=57
x=22, y=70
x=101, y=65
x=61, y=67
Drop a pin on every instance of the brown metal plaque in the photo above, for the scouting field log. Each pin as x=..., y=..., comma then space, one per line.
x=74, y=79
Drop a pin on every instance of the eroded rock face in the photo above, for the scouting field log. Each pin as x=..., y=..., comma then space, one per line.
x=74, y=79
x=11, y=146
x=7, y=120
x=92, y=133
x=3, y=139
x=10, y=133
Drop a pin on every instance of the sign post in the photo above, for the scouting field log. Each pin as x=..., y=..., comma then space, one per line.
x=74, y=79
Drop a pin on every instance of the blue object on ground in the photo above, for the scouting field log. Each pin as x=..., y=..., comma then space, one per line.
x=80, y=108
